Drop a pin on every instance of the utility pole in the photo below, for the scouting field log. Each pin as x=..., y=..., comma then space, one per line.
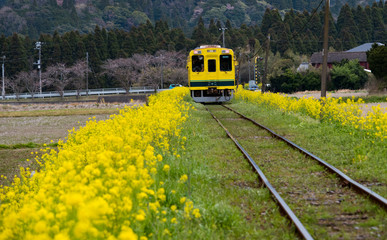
x=266, y=58
x=87, y=73
x=38, y=46
x=249, y=70
x=223, y=29
x=162, y=70
x=2, y=74
x=325, y=51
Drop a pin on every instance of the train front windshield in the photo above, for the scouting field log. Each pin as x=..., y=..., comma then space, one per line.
x=225, y=63
x=197, y=63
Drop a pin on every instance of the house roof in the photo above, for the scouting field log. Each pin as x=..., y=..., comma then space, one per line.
x=338, y=56
x=364, y=47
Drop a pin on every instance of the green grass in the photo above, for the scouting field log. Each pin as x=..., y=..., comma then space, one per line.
x=332, y=143
x=369, y=99
x=223, y=186
x=27, y=145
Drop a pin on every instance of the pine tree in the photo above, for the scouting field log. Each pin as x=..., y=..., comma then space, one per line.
x=67, y=53
x=100, y=43
x=17, y=57
x=380, y=33
x=363, y=23
x=46, y=50
x=266, y=22
x=113, y=46
x=385, y=13
x=200, y=34
x=179, y=39
x=56, y=55
x=2, y=44
x=377, y=58
x=213, y=30
x=348, y=31
x=80, y=50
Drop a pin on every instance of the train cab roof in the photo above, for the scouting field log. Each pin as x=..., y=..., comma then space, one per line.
x=201, y=49
x=208, y=46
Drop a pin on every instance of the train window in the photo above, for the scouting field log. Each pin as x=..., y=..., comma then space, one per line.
x=197, y=63
x=225, y=63
x=212, y=65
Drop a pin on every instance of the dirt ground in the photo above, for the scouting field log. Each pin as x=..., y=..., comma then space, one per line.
x=43, y=129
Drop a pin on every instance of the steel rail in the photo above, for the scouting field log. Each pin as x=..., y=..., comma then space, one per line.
x=376, y=197
x=300, y=227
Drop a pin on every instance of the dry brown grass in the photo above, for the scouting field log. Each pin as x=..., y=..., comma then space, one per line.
x=41, y=123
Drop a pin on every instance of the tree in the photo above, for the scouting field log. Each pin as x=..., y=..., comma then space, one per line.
x=348, y=75
x=16, y=84
x=200, y=34
x=77, y=76
x=100, y=43
x=113, y=47
x=17, y=57
x=58, y=76
x=31, y=82
x=377, y=59
x=150, y=77
x=347, y=28
x=125, y=70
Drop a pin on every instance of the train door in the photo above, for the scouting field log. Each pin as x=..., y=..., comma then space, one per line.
x=213, y=74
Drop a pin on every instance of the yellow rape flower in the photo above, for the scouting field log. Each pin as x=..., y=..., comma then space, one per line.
x=166, y=168
x=183, y=178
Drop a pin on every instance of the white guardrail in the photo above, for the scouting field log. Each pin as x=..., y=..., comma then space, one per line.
x=69, y=93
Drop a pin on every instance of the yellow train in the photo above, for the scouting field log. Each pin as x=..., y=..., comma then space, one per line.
x=211, y=73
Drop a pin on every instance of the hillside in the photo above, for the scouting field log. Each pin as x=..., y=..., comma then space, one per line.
x=33, y=17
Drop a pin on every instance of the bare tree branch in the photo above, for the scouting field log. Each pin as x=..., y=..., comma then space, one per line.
x=77, y=76
x=58, y=76
x=16, y=84
x=31, y=82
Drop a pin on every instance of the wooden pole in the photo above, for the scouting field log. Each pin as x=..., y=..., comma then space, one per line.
x=325, y=52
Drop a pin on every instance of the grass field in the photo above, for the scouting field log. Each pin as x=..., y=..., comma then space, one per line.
x=25, y=128
x=221, y=184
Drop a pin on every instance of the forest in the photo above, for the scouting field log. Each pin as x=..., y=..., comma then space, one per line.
x=297, y=34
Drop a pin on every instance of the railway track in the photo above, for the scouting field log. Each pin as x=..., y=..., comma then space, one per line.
x=321, y=201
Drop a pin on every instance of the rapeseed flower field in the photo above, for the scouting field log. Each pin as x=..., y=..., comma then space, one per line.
x=335, y=110
x=108, y=180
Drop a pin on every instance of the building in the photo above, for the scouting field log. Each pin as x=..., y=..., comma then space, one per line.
x=359, y=53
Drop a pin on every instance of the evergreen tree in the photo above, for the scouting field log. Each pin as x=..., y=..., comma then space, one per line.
x=363, y=23
x=127, y=45
x=80, y=50
x=377, y=58
x=200, y=34
x=228, y=25
x=113, y=46
x=56, y=55
x=46, y=50
x=161, y=27
x=290, y=19
x=100, y=43
x=150, y=42
x=94, y=61
x=213, y=31
x=348, y=31
x=2, y=44
x=385, y=13
x=67, y=53
x=17, y=57
x=266, y=22
x=161, y=43
x=380, y=33
x=179, y=39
